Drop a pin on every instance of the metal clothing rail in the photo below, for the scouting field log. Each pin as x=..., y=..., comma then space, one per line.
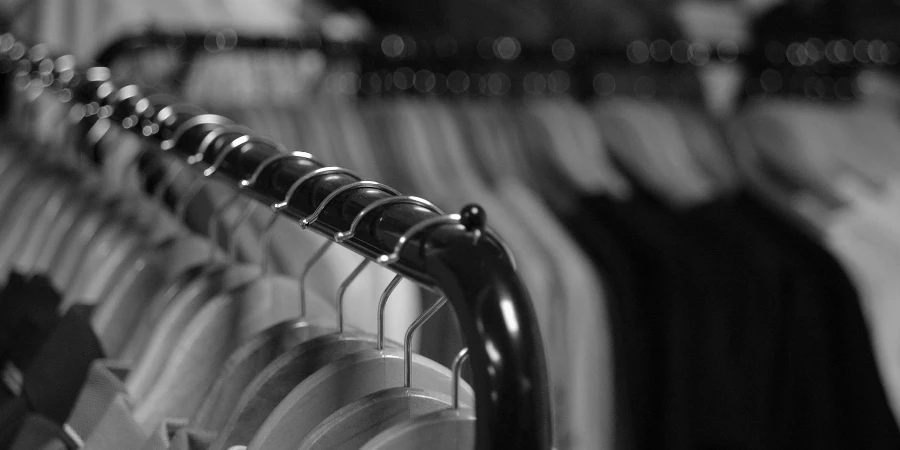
x=191, y=43
x=476, y=274
x=406, y=54
x=390, y=47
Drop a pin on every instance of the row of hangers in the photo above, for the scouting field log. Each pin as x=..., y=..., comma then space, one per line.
x=339, y=130
x=181, y=126
x=624, y=126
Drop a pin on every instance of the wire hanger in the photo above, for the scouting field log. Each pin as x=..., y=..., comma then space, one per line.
x=370, y=413
x=368, y=371
x=510, y=372
x=293, y=367
x=267, y=345
x=211, y=414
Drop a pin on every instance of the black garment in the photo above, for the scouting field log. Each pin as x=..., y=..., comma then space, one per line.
x=28, y=313
x=639, y=257
x=731, y=329
x=722, y=338
x=829, y=392
x=39, y=432
x=54, y=379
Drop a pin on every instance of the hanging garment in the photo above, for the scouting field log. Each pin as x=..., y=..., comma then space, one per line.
x=51, y=384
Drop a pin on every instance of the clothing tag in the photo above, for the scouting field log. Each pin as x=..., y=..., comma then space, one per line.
x=73, y=435
x=12, y=378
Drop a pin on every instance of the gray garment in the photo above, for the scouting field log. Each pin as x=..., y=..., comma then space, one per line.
x=117, y=429
x=242, y=367
x=103, y=384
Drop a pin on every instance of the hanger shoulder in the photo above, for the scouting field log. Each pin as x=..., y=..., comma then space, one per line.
x=352, y=426
x=448, y=429
x=184, y=306
x=341, y=383
x=279, y=378
x=159, y=304
x=219, y=328
x=248, y=361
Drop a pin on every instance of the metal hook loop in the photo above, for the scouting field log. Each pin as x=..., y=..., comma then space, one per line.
x=272, y=160
x=170, y=110
x=220, y=158
x=211, y=229
x=382, y=302
x=198, y=183
x=251, y=138
x=407, y=339
x=394, y=256
x=315, y=173
x=456, y=370
x=305, y=223
x=344, y=235
x=167, y=180
x=249, y=182
x=155, y=121
x=187, y=125
x=122, y=94
x=266, y=235
x=339, y=304
x=320, y=252
x=232, y=146
x=322, y=249
x=212, y=137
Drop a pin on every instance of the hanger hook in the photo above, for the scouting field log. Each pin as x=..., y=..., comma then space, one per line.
x=235, y=144
x=322, y=249
x=193, y=122
x=94, y=136
x=250, y=182
x=198, y=183
x=344, y=235
x=266, y=236
x=167, y=180
x=456, y=369
x=339, y=305
x=152, y=124
x=407, y=339
x=305, y=223
x=122, y=94
x=214, y=136
x=314, y=174
x=272, y=160
x=394, y=256
x=382, y=302
x=169, y=111
x=211, y=228
x=251, y=138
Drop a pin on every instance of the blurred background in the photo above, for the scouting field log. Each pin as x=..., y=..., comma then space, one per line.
x=703, y=196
